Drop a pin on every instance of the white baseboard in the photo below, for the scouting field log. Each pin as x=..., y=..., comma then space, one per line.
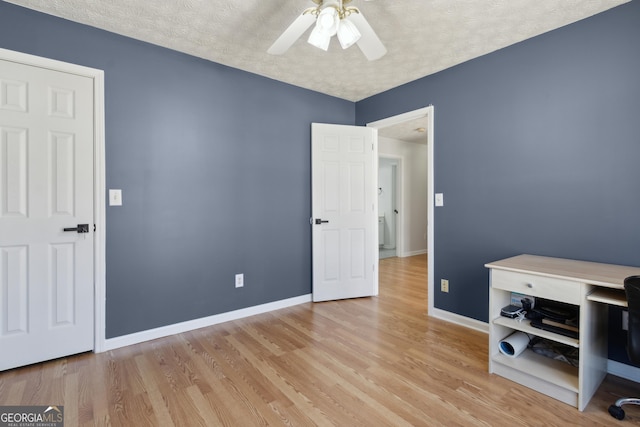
x=623, y=370
x=460, y=320
x=164, y=331
x=412, y=253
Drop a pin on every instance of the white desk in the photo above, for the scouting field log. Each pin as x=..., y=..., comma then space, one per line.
x=587, y=285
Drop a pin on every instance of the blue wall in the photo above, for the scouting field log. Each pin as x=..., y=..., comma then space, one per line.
x=214, y=164
x=537, y=150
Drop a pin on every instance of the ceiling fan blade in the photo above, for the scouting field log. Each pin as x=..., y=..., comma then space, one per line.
x=369, y=43
x=293, y=33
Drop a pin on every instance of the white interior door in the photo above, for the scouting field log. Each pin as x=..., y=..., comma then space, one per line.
x=344, y=209
x=46, y=185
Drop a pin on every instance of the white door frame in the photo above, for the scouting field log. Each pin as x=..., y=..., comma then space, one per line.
x=426, y=112
x=99, y=262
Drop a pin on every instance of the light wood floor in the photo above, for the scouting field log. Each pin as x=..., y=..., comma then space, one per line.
x=371, y=362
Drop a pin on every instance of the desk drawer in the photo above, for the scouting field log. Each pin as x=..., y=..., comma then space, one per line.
x=537, y=286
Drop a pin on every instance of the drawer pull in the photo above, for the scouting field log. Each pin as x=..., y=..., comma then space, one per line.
x=529, y=285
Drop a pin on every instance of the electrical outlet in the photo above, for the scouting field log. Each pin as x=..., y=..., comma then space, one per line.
x=239, y=280
x=444, y=285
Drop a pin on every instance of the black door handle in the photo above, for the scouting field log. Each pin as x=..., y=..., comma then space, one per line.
x=81, y=228
x=320, y=221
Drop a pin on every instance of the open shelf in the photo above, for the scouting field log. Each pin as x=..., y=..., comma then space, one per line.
x=525, y=327
x=609, y=296
x=553, y=371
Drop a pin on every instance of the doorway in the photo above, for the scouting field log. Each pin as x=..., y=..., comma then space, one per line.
x=388, y=205
x=413, y=127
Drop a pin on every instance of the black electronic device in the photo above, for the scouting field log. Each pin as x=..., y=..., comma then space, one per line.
x=555, y=311
x=555, y=329
x=511, y=311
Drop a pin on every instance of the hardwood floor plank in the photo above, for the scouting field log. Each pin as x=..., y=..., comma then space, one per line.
x=203, y=406
x=92, y=378
x=150, y=381
x=377, y=361
x=14, y=393
x=71, y=393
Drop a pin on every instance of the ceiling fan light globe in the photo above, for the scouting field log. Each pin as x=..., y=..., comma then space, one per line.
x=348, y=34
x=319, y=39
x=328, y=21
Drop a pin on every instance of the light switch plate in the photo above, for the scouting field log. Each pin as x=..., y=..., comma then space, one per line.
x=115, y=197
x=439, y=199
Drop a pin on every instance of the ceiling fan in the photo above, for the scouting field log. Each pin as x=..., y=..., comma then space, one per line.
x=332, y=17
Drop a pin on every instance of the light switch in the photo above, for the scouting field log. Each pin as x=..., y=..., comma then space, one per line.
x=439, y=199
x=115, y=197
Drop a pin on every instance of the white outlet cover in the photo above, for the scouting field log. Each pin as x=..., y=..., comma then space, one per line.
x=239, y=280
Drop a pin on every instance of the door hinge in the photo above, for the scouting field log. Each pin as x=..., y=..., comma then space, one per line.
x=94, y=228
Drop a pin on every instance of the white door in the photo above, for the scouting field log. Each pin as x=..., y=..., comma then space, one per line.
x=344, y=209
x=46, y=185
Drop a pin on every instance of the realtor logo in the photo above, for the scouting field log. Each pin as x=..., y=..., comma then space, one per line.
x=31, y=416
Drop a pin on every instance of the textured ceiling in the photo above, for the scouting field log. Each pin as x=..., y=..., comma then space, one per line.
x=422, y=36
x=407, y=131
